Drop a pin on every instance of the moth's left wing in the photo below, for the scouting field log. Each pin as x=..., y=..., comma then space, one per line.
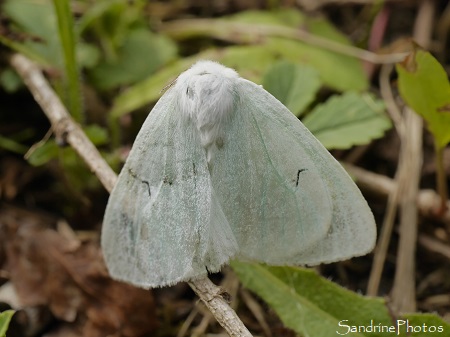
x=163, y=223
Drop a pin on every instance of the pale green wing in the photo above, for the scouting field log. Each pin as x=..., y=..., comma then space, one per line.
x=287, y=199
x=163, y=223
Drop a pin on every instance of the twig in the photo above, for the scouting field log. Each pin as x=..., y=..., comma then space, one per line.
x=394, y=195
x=410, y=166
x=314, y=5
x=441, y=176
x=211, y=296
x=403, y=290
x=434, y=245
x=388, y=97
x=370, y=181
x=65, y=127
x=255, y=308
x=428, y=201
x=383, y=243
x=252, y=33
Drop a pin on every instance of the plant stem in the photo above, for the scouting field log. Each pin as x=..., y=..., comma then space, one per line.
x=441, y=179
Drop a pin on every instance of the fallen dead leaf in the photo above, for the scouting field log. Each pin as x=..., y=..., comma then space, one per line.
x=49, y=269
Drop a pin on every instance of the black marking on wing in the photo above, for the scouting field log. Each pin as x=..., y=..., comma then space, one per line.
x=298, y=175
x=148, y=187
x=166, y=180
x=145, y=182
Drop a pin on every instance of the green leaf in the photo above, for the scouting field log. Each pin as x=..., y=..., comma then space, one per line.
x=10, y=81
x=132, y=63
x=429, y=320
x=337, y=71
x=88, y=55
x=96, y=134
x=68, y=44
x=307, y=303
x=5, y=318
x=313, y=306
x=148, y=90
x=250, y=61
x=96, y=11
x=49, y=150
x=425, y=87
x=276, y=31
x=285, y=16
x=294, y=85
x=38, y=23
x=37, y=19
x=43, y=153
x=348, y=120
x=11, y=145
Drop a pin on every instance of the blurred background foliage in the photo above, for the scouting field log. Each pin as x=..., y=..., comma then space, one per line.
x=110, y=60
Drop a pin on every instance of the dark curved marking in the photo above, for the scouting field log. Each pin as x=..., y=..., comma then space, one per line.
x=148, y=187
x=298, y=176
x=194, y=169
x=134, y=175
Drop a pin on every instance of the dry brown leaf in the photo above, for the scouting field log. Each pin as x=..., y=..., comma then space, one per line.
x=48, y=269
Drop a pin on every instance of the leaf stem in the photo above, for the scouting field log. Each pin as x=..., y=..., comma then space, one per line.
x=441, y=178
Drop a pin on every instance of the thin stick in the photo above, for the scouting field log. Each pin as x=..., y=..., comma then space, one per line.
x=212, y=297
x=403, y=291
x=393, y=197
x=63, y=125
x=404, y=288
x=428, y=201
x=441, y=178
x=383, y=243
x=66, y=128
x=252, y=33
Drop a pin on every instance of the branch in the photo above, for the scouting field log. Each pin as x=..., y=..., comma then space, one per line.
x=67, y=129
x=428, y=201
x=404, y=288
x=64, y=127
x=252, y=33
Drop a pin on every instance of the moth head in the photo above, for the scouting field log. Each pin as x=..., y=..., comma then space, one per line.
x=206, y=96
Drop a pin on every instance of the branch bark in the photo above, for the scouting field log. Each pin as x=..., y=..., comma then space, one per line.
x=64, y=127
x=404, y=288
x=68, y=130
x=428, y=201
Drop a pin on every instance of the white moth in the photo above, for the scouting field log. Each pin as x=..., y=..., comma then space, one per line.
x=220, y=170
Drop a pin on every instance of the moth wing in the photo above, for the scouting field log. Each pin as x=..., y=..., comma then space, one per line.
x=303, y=208
x=163, y=223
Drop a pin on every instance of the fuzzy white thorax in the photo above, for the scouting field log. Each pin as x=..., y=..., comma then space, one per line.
x=206, y=97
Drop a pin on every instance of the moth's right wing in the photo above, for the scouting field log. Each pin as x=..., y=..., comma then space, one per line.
x=286, y=198
x=163, y=223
